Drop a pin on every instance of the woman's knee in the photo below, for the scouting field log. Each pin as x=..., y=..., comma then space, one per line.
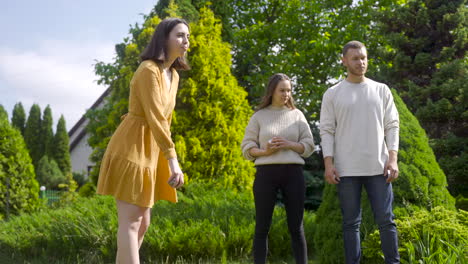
x=130, y=216
x=145, y=223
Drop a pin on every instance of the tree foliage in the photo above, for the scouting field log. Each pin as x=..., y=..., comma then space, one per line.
x=32, y=134
x=18, y=118
x=17, y=170
x=176, y=8
x=48, y=173
x=421, y=185
x=429, y=67
x=47, y=134
x=3, y=113
x=61, y=148
x=212, y=111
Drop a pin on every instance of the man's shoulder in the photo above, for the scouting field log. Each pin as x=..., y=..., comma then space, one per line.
x=377, y=84
x=336, y=86
x=332, y=90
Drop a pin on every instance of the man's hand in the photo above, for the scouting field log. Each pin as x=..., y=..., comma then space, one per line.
x=331, y=175
x=391, y=168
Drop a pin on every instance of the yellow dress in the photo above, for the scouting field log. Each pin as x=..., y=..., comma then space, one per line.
x=135, y=166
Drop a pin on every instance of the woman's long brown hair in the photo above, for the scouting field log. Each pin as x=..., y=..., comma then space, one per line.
x=270, y=90
x=157, y=50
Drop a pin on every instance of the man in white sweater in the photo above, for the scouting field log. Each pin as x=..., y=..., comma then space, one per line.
x=359, y=127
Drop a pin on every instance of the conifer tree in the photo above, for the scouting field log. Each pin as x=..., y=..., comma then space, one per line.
x=49, y=174
x=61, y=147
x=212, y=111
x=421, y=184
x=46, y=132
x=429, y=68
x=32, y=134
x=3, y=113
x=16, y=173
x=19, y=117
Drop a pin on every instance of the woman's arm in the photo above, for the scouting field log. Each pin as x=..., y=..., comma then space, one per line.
x=282, y=143
x=258, y=152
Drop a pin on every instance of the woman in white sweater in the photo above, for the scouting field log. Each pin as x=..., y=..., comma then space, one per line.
x=277, y=138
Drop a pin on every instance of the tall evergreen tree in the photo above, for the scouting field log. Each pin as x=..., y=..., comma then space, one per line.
x=61, y=147
x=212, y=111
x=3, y=113
x=32, y=134
x=17, y=170
x=429, y=67
x=46, y=132
x=421, y=184
x=18, y=119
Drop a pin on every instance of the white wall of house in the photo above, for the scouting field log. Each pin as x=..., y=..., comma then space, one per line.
x=80, y=156
x=80, y=151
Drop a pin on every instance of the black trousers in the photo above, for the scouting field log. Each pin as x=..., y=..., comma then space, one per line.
x=288, y=179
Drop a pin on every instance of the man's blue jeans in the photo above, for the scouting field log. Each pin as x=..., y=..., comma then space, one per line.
x=380, y=195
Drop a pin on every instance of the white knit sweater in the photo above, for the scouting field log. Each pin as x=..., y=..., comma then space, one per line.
x=278, y=121
x=359, y=123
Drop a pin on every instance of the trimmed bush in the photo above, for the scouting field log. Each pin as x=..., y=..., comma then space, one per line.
x=48, y=173
x=87, y=190
x=16, y=168
x=421, y=184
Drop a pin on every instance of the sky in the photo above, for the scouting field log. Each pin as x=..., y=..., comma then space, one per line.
x=48, y=49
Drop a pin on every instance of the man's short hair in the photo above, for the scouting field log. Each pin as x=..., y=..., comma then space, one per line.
x=354, y=44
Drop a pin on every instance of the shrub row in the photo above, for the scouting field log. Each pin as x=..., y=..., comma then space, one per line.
x=213, y=224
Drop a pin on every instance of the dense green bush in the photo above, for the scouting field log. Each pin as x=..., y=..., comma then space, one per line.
x=16, y=167
x=421, y=235
x=421, y=184
x=87, y=190
x=48, y=173
x=462, y=202
x=203, y=225
x=80, y=178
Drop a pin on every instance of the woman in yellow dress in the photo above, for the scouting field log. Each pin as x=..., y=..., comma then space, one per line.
x=140, y=165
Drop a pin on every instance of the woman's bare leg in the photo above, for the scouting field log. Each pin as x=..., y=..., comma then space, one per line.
x=130, y=217
x=145, y=222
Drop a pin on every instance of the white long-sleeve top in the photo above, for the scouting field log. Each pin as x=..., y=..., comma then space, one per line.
x=271, y=121
x=359, y=123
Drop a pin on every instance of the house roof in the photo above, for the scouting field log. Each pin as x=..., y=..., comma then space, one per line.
x=79, y=127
